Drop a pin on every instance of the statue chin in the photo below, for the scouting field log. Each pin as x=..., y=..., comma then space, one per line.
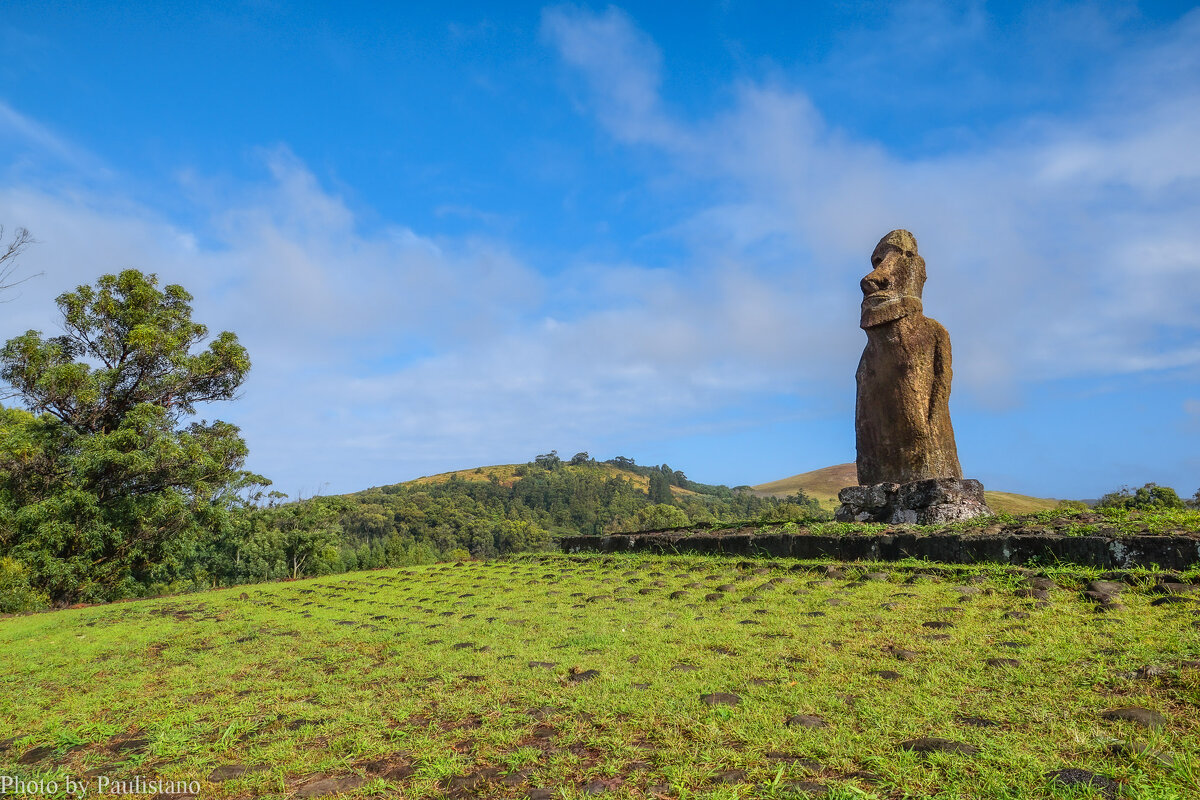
x=882, y=310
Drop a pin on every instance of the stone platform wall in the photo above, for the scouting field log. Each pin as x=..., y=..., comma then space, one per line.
x=1174, y=551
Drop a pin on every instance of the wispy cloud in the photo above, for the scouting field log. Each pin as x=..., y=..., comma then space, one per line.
x=21, y=132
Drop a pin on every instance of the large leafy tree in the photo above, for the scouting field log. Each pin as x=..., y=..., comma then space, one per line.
x=103, y=489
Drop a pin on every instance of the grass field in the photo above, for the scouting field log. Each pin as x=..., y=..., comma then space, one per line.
x=630, y=677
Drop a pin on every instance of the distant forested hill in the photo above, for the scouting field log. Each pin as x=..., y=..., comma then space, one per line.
x=488, y=511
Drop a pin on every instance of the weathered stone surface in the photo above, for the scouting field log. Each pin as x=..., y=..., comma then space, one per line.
x=925, y=502
x=902, y=415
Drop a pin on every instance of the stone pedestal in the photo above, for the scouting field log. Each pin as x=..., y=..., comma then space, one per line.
x=926, y=502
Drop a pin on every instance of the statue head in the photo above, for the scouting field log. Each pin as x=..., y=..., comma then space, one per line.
x=893, y=288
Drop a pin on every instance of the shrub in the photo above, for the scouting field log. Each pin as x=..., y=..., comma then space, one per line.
x=660, y=517
x=1150, y=496
x=16, y=590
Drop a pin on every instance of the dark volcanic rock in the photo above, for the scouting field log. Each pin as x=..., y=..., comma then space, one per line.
x=228, y=772
x=1137, y=750
x=585, y=675
x=932, y=744
x=806, y=721
x=1073, y=776
x=1171, y=587
x=976, y=722
x=36, y=754
x=1003, y=662
x=1139, y=716
x=720, y=699
x=327, y=786
x=1170, y=600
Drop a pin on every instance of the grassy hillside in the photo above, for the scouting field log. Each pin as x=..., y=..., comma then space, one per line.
x=1009, y=503
x=566, y=677
x=824, y=484
x=820, y=484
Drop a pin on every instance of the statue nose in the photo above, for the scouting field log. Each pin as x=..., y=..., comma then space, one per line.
x=875, y=282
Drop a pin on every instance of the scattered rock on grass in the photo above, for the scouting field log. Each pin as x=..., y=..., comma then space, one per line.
x=1137, y=750
x=932, y=744
x=125, y=745
x=35, y=755
x=794, y=760
x=600, y=786
x=976, y=722
x=1139, y=716
x=902, y=654
x=228, y=772
x=720, y=699
x=1003, y=662
x=730, y=776
x=1073, y=776
x=1170, y=600
x=585, y=675
x=806, y=721
x=328, y=786
x=1170, y=587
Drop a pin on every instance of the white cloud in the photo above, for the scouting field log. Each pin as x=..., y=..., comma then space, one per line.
x=1069, y=247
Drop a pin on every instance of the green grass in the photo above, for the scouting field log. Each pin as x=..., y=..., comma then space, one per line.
x=1062, y=521
x=1103, y=521
x=416, y=682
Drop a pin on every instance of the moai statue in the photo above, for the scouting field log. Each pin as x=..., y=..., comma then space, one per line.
x=908, y=467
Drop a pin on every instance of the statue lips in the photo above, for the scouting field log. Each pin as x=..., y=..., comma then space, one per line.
x=876, y=299
x=887, y=305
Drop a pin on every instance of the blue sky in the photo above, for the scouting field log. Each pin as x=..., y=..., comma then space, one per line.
x=463, y=234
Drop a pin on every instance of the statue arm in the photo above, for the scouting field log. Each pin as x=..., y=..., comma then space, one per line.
x=939, y=396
